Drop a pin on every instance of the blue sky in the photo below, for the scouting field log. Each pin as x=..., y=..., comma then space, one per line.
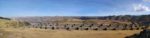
x=11, y=8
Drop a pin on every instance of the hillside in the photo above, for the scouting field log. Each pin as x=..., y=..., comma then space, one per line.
x=122, y=19
x=75, y=27
x=8, y=23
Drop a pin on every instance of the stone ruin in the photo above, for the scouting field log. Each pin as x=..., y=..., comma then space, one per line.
x=143, y=34
x=85, y=26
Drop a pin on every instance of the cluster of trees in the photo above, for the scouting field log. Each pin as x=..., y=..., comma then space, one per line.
x=5, y=18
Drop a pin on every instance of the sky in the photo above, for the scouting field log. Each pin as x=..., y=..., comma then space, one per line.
x=13, y=8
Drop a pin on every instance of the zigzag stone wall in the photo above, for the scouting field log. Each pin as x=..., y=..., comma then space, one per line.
x=143, y=34
x=86, y=26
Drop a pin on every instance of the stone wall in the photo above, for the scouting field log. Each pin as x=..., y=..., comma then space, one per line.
x=85, y=26
x=142, y=34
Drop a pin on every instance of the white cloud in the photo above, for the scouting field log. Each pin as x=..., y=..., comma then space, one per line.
x=146, y=0
x=141, y=8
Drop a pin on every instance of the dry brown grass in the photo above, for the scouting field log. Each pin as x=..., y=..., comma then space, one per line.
x=41, y=33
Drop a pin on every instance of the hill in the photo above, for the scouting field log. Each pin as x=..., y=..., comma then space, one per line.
x=122, y=19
